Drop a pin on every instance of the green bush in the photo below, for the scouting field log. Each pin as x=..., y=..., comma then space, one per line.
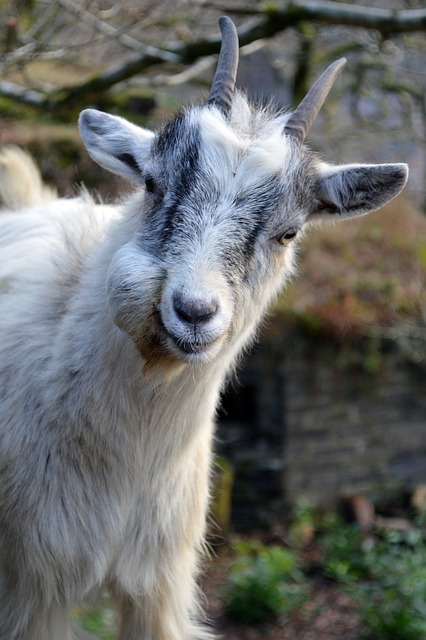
x=392, y=601
x=263, y=583
x=345, y=550
x=387, y=578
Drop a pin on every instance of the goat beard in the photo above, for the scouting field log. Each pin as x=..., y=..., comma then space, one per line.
x=160, y=353
x=153, y=347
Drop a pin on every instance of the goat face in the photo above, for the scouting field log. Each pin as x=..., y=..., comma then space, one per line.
x=216, y=216
x=226, y=188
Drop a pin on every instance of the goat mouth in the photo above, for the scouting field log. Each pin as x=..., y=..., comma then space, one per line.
x=189, y=347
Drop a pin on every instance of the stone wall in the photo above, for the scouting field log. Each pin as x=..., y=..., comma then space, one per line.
x=349, y=429
x=322, y=420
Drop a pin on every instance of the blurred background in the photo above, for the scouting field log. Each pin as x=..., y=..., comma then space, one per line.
x=320, y=483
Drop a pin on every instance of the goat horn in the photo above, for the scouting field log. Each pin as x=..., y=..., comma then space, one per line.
x=302, y=118
x=223, y=86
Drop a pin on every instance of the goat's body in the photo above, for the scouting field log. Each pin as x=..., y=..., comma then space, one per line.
x=110, y=488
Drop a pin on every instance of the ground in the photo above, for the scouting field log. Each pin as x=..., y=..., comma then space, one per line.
x=330, y=615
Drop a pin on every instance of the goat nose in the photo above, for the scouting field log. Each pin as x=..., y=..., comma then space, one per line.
x=194, y=310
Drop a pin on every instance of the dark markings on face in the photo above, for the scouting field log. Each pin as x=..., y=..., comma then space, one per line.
x=190, y=194
x=252, y=213
x=177, y=148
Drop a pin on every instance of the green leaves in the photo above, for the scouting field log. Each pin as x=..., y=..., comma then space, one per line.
x=386, y=577
x=263, y=583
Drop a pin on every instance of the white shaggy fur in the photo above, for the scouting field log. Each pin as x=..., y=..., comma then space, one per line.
x=118, y=328
x=21, y=181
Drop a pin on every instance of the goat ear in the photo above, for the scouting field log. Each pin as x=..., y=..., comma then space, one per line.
x=353, y=190
x=115, y=143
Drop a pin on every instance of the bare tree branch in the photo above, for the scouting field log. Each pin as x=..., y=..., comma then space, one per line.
x=25, y=96
x=386, y=21
x=267, y=23
x=117, y=34
x=183, y=53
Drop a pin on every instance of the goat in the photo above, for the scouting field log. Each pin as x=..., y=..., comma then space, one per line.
x=120, y=326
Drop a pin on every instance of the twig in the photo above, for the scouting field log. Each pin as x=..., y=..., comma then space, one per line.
x=107, y=29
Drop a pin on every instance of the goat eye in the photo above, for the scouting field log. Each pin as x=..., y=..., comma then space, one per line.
x=288, y=235
x=150, y=185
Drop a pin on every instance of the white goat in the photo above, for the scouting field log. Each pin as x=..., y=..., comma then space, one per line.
x=119, y=327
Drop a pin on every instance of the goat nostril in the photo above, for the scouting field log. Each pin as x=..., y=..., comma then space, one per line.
x=194, y=311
